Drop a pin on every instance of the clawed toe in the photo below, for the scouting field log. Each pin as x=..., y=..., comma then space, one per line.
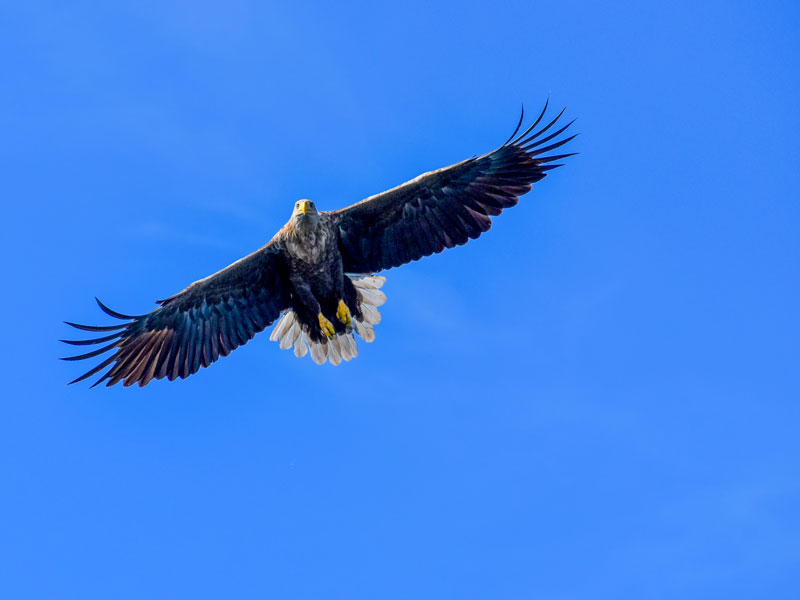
x=343, y=314
x=326, y=326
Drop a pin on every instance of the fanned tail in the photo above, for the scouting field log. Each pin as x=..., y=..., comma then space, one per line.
x=290, y=333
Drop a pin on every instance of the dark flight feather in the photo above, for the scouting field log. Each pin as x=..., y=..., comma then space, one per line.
x=446, y=207
x=192, y=328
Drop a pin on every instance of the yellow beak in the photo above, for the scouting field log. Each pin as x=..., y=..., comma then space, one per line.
x=304, y=206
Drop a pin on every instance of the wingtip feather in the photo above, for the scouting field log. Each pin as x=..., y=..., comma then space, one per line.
x=113, y=313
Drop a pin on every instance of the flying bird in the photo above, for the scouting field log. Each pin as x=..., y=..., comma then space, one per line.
x=317, y=276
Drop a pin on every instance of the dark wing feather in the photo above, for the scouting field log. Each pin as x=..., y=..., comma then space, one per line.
x=195, y=327
x=445, y=208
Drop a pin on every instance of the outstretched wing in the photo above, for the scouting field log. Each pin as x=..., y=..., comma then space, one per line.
x=194, y=327
x=445, y=208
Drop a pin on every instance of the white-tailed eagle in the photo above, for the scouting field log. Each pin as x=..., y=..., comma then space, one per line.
x=316, y=275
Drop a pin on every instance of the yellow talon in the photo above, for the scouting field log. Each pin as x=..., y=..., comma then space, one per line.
x=343, y=314
x=326, y=326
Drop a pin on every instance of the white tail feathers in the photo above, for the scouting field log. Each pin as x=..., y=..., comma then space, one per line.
x=289, y=332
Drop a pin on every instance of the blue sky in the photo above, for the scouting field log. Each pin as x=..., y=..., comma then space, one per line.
x=597, y=399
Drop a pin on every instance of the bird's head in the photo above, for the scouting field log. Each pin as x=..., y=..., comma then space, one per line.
x=305, y=213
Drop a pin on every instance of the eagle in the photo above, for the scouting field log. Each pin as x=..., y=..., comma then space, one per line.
x=317, y=276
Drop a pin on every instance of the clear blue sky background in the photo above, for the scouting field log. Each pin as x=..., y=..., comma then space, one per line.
x=598, y=399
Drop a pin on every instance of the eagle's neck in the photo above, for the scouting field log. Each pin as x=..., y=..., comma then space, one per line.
x=307, y=240
x=306, y=230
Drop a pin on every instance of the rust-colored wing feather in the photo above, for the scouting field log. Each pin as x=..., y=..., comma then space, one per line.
x=193, y=328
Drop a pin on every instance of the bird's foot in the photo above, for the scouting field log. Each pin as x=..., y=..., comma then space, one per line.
x=326, y=326
x=343, y=314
